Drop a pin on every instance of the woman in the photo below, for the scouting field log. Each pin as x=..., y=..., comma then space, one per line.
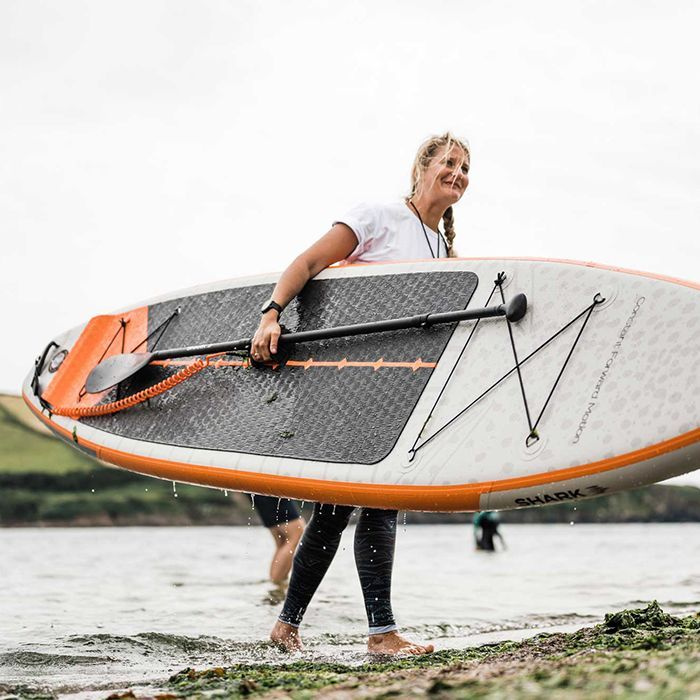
x=398, y=231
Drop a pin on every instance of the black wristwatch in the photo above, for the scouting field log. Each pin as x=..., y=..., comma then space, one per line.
x=271, y=304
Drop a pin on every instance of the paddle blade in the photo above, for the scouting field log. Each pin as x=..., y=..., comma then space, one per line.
x=115, y=369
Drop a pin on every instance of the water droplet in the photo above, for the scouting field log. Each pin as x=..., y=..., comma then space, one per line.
x=571, y=523
x=93, y=490
x=226, y=493
x=145, y=489
x=252, y=501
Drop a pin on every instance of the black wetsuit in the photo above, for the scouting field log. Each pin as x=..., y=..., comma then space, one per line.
x=489, y=529
x=375, y=540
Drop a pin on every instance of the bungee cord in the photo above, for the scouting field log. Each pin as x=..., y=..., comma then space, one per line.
x=532, y=435
x=501, y=276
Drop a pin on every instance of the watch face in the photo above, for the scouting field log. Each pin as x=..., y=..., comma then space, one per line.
x=271, y=304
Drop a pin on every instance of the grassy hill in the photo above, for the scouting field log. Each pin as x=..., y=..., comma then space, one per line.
x=27, y=447
x=13, y=408
x=45, y=482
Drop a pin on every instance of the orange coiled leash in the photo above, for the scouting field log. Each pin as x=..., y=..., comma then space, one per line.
x=152, y=391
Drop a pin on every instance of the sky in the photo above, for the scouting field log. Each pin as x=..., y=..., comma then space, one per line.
x=151, y=145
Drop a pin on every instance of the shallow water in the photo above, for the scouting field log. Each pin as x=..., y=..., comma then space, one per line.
x=101, y=608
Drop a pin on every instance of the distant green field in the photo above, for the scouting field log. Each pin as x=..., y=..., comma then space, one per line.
x=24, y=450
x=43, y=480
x=16, y=407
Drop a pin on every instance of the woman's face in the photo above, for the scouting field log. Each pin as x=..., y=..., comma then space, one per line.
x=447, y=176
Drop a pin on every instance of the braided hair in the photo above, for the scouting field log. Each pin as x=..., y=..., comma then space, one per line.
x=424, y=156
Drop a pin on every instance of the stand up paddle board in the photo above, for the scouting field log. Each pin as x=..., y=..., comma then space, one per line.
x=591, y=387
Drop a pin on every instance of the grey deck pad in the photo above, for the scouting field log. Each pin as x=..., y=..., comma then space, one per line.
x=331, y=414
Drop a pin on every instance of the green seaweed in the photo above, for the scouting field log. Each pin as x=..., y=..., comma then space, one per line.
x=634, y=653
x=651, y=617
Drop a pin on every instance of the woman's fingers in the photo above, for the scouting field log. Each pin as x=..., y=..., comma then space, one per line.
x=261, y=350
x=274, y=338
x=265, y=342
x=257, y=347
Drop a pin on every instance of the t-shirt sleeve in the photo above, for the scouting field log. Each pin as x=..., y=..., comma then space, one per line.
x=363, y=219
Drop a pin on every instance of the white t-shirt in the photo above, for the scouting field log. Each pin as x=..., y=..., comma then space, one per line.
x=388, y=232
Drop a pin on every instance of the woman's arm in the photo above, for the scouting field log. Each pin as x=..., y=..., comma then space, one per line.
x=336, y=245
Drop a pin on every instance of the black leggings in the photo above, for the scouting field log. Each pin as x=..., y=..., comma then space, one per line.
x=375, y=540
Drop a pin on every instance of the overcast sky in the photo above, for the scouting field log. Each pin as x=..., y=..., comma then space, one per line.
x=151, y=145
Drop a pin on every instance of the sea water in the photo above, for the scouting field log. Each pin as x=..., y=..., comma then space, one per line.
x=86, y=610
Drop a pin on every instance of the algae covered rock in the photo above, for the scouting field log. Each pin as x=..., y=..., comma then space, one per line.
x=651, y=617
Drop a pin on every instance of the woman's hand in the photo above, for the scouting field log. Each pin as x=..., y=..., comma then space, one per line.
x=266, y=338
x=336, y=245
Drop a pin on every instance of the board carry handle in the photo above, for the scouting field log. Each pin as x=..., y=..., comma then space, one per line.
x=117, y=368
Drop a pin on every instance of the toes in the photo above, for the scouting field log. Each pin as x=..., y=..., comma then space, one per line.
x=416, y=649
x=412, y=649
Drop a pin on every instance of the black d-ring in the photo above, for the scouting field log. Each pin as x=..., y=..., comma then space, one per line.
x=532, y=438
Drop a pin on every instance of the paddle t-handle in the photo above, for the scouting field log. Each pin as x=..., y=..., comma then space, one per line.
x=117, y=368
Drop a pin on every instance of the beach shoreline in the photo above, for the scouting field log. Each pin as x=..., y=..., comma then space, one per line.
x=642, y=652
x=634, y=652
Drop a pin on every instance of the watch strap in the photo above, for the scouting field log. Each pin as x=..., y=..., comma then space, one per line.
x=272, y=305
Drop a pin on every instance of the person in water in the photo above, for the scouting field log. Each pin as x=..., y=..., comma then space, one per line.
x=286, y=525
x=485, y=530
x=403, y=230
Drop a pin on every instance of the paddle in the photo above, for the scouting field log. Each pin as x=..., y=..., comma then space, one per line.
x=117, y=368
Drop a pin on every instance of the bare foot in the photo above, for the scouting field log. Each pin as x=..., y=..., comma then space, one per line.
x=286, y=637
x=393, y=643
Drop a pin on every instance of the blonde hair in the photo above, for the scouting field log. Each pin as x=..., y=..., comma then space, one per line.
x=426, y=152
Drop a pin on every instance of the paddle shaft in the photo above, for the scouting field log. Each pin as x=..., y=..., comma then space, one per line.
x=392, y=324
